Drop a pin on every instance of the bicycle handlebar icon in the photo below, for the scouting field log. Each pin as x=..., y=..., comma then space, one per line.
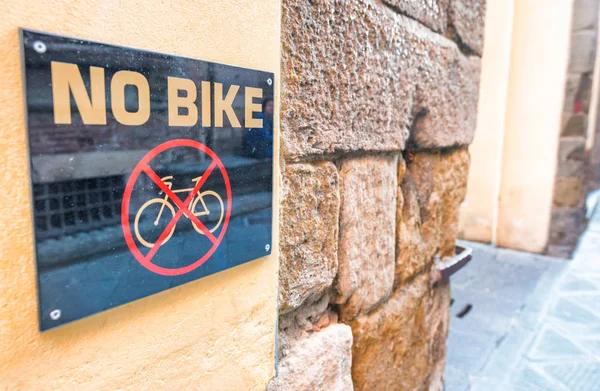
x=164, y=202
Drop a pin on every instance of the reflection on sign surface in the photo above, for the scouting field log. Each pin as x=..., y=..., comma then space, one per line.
x=148, y=171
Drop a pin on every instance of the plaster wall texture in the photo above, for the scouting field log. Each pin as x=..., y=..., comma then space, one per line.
x=479, y=211
x=379, y=105
x=533, y=122
x=215, y=333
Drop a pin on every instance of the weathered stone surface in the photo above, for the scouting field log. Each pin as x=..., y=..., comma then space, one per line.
x=467, y=17
x=576, y=126
x=368, y=189
x=560, y=251
x=578, y=93
x=594, y=170
x=309, y=232
x=411, y=256
x=566, y=226
x=571, y=88
x=457, y=83
x=303, y=321
x=432, y=13
x=568, y=192
x=571, y=156
x=452, y=175
x=584, y=94
x=585, y=14
x=398, y=344
x=432, y=189
x=583, y=51
x=357, y=74
x=321, y=361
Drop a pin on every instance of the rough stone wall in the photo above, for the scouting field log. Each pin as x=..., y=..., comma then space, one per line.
x=378, y=107
x=572, y=178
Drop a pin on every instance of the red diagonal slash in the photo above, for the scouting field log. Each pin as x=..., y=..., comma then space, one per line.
x=183, y=207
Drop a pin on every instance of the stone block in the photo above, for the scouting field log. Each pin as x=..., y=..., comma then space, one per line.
x=584, y=94
x=560, y=251
x=357, y=75
x=309, y=232
x=432, y=190
x=576, y=126
x=368, y=187
x=311, y=316
x=585, y=14
x=569, y=192
x=571, y=88
x=571, y=157
x=566, y=225
x=583, y=51
x=439, y=124
x=467, y=17
x=411, y=257
x=432, y=14
x=397, y=346
x=321, y=361
x=452, y=174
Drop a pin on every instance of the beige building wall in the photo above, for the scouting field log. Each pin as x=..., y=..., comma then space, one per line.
x=216, y=333
x=538, y=69
x=479, y=210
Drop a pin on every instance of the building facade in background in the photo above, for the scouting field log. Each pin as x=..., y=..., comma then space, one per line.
x=535, y=154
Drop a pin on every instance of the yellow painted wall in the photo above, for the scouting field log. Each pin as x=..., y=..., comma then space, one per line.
x=538, y=69
x=479, y=210
x=217, y=333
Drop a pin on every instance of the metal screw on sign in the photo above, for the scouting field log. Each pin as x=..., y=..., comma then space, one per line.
x=39, y=47
x=269, y=81
x=267, y=247
x=55, y=315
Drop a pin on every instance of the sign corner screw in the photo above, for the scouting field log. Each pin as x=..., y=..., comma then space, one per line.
x=269, y=81
x=39, y=47
x=55, y=314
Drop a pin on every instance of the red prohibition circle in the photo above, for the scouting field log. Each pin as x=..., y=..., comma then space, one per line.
x=143, y=166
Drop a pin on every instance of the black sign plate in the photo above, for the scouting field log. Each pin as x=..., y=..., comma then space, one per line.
x=148, y=171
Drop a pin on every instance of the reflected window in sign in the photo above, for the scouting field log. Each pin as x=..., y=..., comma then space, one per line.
x=68, y=207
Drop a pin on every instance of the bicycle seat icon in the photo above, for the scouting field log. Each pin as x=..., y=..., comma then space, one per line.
x=199, y=201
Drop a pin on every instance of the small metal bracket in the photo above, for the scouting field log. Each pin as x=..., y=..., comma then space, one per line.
x=443, y=269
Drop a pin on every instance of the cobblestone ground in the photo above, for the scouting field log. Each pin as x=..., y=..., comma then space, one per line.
x=534, y=321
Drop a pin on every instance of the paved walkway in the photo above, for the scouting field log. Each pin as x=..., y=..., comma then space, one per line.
x=534, y=321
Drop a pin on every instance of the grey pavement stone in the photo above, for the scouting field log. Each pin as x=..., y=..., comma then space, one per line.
x=571, y=316
x=554, y=344
x=589, y=301
x=468, y=352
x=535, y=320
x=456, y=379
x=576, y=376
x=504, y=359
x=497, y=284
x=550, y=344
x=574, y=284
x=529, y=378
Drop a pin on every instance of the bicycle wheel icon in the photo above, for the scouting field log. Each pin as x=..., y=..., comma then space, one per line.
x=144, y=210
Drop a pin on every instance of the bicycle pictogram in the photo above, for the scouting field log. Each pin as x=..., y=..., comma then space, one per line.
x=169, y=208
x=196, y=209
